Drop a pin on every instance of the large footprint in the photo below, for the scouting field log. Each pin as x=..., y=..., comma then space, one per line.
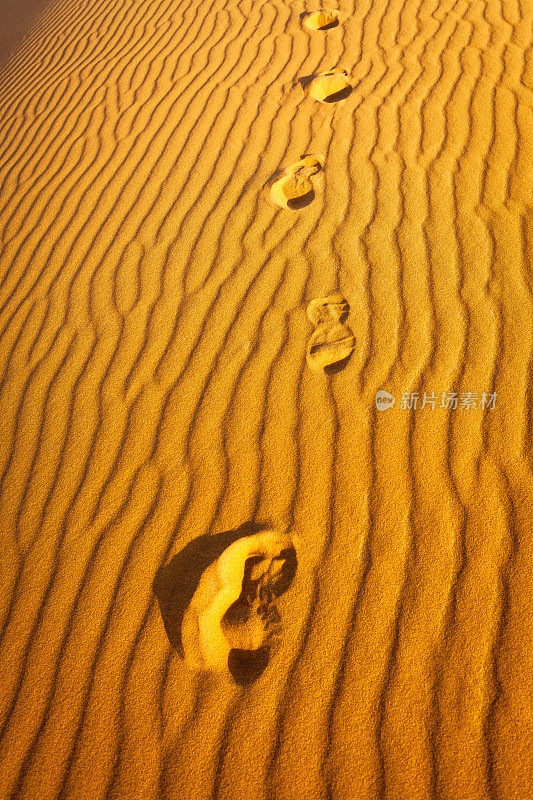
x=332, y=341
x=231, y=620
x=295, y=188
x=321, y=20
x=331, y=86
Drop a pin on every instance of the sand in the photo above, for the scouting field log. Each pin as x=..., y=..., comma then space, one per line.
x=157, y=405
x=16, y=20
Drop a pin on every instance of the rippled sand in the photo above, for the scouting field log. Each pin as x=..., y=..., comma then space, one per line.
x=157, y=404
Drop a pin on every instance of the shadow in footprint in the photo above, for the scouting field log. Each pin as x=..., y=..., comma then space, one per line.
x=176, y=582
x=301, y=202
x=246, y=666
x=332, y=369
x=342, y=95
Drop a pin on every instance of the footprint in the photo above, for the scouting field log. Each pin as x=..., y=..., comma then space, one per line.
x=295, y=188
x=333, y=308
x=329, y=344
x=231, y=621
x=331, y=86
x=332, y=341
x=321, y=20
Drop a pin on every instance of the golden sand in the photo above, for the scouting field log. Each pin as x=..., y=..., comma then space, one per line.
x=158, y=407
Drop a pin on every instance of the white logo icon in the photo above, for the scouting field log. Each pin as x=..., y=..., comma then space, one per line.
x=384, y=400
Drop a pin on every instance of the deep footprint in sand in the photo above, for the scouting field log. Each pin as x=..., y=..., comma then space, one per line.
x=232, y=622
x=332, y=342
x=295, y=189
x=321, y=20
x=331, y=86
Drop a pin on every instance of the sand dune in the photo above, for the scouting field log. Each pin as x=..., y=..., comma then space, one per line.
x=157, y=405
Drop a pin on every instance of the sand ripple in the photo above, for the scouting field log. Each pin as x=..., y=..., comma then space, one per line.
x=154, y=394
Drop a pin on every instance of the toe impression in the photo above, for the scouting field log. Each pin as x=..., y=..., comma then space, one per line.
x=233, y=607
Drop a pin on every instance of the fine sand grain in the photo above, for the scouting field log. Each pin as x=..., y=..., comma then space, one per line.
x=158, y=406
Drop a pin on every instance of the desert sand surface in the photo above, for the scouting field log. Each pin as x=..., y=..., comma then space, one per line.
x=227, y=569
